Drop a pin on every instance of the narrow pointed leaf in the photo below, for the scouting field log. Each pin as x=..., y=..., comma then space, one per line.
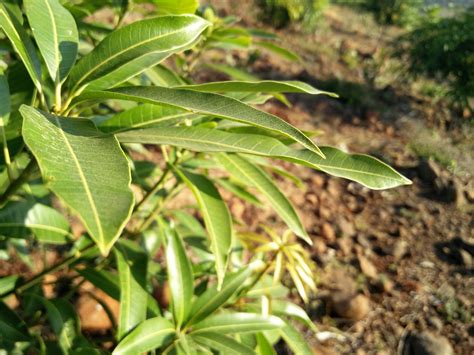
x=132, y=266
x=246, y=171
x=176, y=6
x=12, y=328
x=56, y=34
x=21, y=43
x=363, y=169
x=213, y=298
x=263, y=345
x=231, y=323
x=134, y=48
x=5, y=104
x=216, y=217
x=239, y=191
x=255, y=86
x=289, y=309
x=208, y=104
x=222, y=343
x=89, y=172
x=276, y=49
x=295, y=340
x=48, y=225
x=232, y=72
x=180, y=277
x=148, y=335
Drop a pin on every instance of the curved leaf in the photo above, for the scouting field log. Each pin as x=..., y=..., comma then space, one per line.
x=56, y=34
x=132, y=267
x=244, y=170
x=208, y=104
x=151, y=334
x=134, y=48
x=276, y=49
x=22, y=44
x=5, y=103
x=86, y=170
x=216, y=217
x=12, y=328
x=231, y=323
x=222, y=343
x=295, y=340
x=363, y=169
x=180, y=277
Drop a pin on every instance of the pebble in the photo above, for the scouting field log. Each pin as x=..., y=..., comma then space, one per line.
x=353, y=308
x=436, y=323
x=367, y=268
x=400, y=249
x=327, y=231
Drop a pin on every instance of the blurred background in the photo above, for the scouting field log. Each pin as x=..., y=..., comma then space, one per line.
x=395, y=267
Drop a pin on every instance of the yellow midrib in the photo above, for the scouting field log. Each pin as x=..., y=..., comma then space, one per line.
x=55, y=38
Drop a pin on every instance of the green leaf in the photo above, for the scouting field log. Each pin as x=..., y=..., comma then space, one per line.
x=8, y=283
x=213, y=298
x=232, y=72
x=132, y=267
x=239, y=191
x=208, y=104
x=176, y=6
x=255, y=86
x=89, y=172
x=180, y=277
x=216, y=217
x=295, y=340
x=289, y=309
x=22, y=44
x=48, y=225
x=363, y=169
x=282, y=52
x=263, y=345
x=148, y=335
x=244, y=170
x=222, y=343
x=5, y=104
x=12, y=328
x=56, y=34
x=103, y=280
x=163, y=76
x=134, y=48
x=144, y=115
x=231, y=323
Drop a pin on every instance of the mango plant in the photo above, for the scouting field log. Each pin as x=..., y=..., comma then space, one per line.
x=103, y=132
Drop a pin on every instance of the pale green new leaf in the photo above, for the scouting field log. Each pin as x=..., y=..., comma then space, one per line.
x=363, y=169
x=231, y=323
x=216, y=217
x=47, y=224
x=149, y=335
x=180, y=277
x=255, y=86
x=222, y=343
x=252, y=174
x=134, y=48
x=208, y=104
x=132, y=266
x=176, y=6
x=22, y=44
x=295, y=340
x=88, y=171
x=55, y=33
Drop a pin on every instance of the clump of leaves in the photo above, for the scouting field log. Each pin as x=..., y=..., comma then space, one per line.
x=82, y=106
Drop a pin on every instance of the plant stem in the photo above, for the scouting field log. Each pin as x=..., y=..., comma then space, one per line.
x=16, y=184
x=57, y=98
x=154, y=189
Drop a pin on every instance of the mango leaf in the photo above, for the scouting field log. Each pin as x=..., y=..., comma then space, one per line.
x=263, y=345
x=231, y=323
x=48, y=225
x=5, y=104
x=89, y=172
x=363, y=169
x=255, y=86
x=102, y=279
x=175, y=6
x=21, y=43
x=12, y=328
x=216, y=217
x=144, y=115
x=56, y=34
x=295, y=340
x=180, y=277
x=232, y=72
x=148, y=335
x=222, y=343
x=244, y=170
x=213, y=298
x=208, y=104
x=276, y=49
x=134, y=48
x=8, y=283
x=132, y=266
x=239, y=191
x=289, y=309
x=162, y=76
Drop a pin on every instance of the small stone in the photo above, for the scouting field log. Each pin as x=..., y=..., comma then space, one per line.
x=347, y=228
x=400, y=249
x=345, y=244
x=427, y=264
x=466, y=258
x=384, y=284
x=319, y=246
x=353, y=308
x=436, y=323
x=327, y=231
x=312, y=199
x=367, y=268
x=427, y=343
x=317, y=180
x=363, y=241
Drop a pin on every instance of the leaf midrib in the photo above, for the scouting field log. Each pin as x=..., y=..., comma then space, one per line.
x=55, y=39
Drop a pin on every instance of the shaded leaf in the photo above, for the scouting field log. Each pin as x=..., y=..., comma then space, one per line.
x=295, y=340
x=222, y=343
x=231, y=323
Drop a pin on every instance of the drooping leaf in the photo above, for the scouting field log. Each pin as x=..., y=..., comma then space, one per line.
x=289, y=309
x=363, y=169
x=21, y=43
x=55, y=33
x=132, y=266
x=48, y=225
x=244, y=170
x=208, y=104
x=295, y=340
x=134, y=48
x=222, y=343
x=87, y=171
x=255, y=86
x=231, y=323
x=216, y=217
x=180, y=277
x=213, y=298
x=148, y=335
x=276, y=49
